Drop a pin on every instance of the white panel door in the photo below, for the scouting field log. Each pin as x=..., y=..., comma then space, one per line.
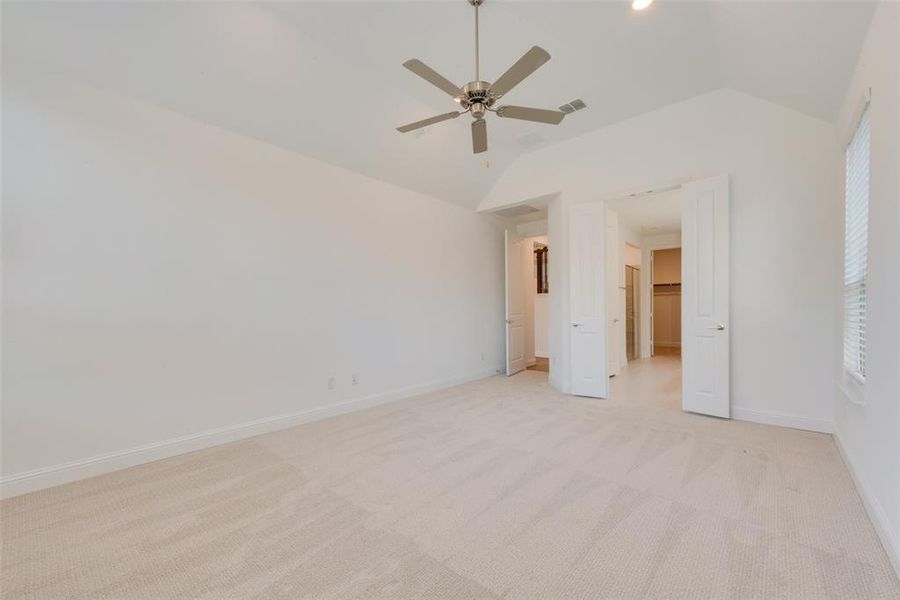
x=515, y=304
x=587, y=300
x=613, y=329
x=622, y=316
x=704, y=297
x=652, y=323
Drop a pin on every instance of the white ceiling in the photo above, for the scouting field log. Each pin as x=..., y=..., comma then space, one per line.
x=325, y=78
x=650, y=214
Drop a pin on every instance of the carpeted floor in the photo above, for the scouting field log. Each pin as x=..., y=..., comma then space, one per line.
x=498, y=488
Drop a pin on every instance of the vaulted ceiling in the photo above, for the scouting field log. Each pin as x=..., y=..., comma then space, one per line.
x=325, y=78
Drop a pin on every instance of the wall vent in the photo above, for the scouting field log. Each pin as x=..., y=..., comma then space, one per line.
x=576, y=104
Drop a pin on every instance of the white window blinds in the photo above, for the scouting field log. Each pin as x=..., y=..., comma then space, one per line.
x=856, y=244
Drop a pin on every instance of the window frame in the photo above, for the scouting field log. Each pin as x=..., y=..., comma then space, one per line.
x=852, y=381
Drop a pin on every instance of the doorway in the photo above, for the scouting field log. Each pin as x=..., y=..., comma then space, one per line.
x=527, y=299
x=632, y=314
x=536, y=252
x=647, y=261
x=632, y=302
x=665, y=312
x=683, y=308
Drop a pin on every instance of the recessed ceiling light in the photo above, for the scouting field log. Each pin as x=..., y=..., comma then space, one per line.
x=640, y=4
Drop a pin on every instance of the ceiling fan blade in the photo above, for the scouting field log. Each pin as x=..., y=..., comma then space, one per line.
x=479, y=136
x=433, y=77
x=429, y=121
x=523, y=67
x=539, y=115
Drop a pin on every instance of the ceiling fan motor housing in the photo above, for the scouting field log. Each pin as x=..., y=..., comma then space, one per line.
x=477, y=97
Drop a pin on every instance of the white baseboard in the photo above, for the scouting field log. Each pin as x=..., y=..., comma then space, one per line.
x=890, y=538
x=667, y=344
x=781, y=419
x=557, y=384
x=38, y=479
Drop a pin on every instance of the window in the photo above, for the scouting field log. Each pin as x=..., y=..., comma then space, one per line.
x=856, y=244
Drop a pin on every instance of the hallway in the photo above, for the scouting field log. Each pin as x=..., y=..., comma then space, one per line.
x=648, y=382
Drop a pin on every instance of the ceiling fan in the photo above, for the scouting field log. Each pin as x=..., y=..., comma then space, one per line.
x=479, y=97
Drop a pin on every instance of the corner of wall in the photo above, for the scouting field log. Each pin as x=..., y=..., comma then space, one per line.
x=890, y=538
x=38, y=479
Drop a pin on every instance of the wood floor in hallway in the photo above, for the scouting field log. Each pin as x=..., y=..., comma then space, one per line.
x=500, y=488
x=649, y=382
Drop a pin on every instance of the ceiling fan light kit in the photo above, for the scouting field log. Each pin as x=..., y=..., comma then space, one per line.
x=480, y=97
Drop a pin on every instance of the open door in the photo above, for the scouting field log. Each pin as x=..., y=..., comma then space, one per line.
x=588, y=343
x=704, y=308
x=614, y=329
x=515, y=304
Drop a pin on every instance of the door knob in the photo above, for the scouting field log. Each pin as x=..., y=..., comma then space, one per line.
x=577, y=324
x=509, y=321
x=718, y=327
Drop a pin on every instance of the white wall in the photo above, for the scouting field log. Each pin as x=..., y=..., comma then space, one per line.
x=164, y=278
x=629, y=248
x=786, y=209
x=869, y=432
x=528, y=289
x=532, y=228
x=558, y=259
x=541, y=323
x=633, y=255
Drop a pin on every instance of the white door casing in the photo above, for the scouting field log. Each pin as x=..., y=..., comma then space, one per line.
x=588, y=343
x=705, y=343
x=515, y=304
x=612, y=291
x=650, y=305
x=622, y=303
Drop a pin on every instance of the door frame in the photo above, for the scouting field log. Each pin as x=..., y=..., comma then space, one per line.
x=526, y=239
x=646, y=324
x=615, y=292
x=601, y=207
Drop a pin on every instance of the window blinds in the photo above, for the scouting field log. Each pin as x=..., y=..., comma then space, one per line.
x=856, y=242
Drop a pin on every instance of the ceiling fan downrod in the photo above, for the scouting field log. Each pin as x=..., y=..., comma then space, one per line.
x=476, y=4
x=477, y=100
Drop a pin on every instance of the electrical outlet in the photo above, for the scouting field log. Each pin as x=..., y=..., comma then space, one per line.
x=355, y=378
x=331, y=383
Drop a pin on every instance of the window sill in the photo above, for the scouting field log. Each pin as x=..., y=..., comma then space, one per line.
x=852, y=389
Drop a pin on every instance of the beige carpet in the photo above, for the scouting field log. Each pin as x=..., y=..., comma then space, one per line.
x=498, y=488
